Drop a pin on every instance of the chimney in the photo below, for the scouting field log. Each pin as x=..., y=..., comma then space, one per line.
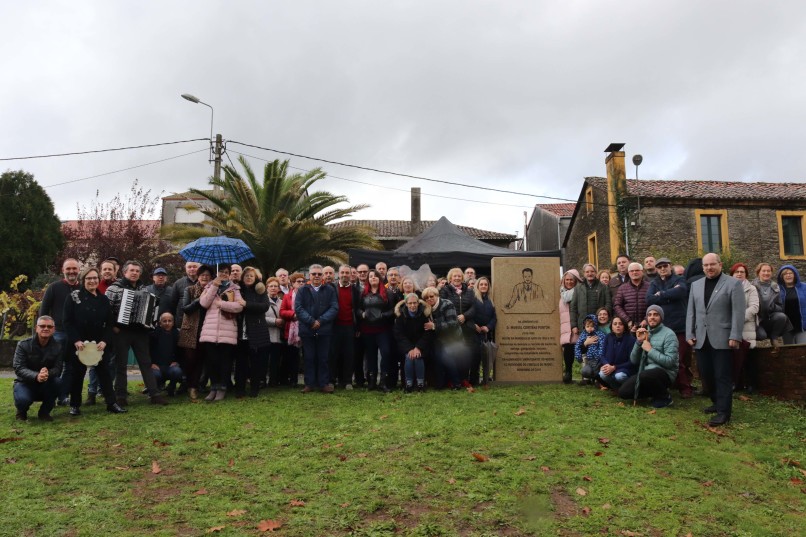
x=414, y=225
x=616, y=190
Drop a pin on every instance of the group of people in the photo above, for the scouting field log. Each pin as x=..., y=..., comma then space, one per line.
x=358, y=327
x=634, y=331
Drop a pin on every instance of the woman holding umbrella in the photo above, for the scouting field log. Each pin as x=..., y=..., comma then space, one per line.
x=219, y=333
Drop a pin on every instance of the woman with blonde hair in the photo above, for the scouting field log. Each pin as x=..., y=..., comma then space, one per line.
x=253, y=334
x=464, y=301
x=486, y=320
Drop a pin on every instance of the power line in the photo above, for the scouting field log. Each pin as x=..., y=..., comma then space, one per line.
x=330, y=176
x=418, y=177
x=124, y=169
x=105, y=150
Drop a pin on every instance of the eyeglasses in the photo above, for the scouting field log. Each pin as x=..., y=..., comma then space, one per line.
x=46, y=326
x=90, y=278
x=316, y=273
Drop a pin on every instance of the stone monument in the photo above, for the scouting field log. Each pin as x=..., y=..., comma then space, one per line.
x=526, y=296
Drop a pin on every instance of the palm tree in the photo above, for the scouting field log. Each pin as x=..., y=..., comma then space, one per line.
x=282, y=221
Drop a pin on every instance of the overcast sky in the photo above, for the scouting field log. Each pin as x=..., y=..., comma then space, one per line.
x=521, y=96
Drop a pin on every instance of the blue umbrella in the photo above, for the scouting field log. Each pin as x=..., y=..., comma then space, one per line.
x=215, y=250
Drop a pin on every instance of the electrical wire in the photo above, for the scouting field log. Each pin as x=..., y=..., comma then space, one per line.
x=124, y=169
x=418, y=177
x=330, y=176
x=105, y=150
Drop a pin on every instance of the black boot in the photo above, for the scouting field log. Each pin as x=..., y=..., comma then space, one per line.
x=115, y=408
x=372, y=381
x=569, y=366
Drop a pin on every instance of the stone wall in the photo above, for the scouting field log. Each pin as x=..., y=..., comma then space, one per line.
x=783, y=376
x=576, y=252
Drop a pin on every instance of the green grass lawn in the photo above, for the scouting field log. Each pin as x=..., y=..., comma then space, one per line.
x=527, y=460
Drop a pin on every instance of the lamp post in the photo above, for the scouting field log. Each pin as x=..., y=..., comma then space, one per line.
x=216, y=150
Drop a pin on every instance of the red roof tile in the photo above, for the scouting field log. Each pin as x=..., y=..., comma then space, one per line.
x=391, y=229
x=560, y=209
x=727, y=190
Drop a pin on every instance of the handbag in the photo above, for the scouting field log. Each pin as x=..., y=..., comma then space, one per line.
x=489, y=351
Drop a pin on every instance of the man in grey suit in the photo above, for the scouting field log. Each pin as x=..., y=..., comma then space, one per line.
x=714, y=327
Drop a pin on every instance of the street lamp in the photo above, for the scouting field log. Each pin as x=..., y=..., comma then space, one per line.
x=217, y=150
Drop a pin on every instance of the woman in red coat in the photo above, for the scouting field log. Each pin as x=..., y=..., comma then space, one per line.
x=289, y=370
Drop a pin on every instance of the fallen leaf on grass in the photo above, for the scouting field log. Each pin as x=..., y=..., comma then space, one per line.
x=628, y=533
x=342, y=458
x=598, y=454
x=383, y=417
x=582, y=492
x=269, y=525
x=586, y=511
x=587, y=478
x=620, y=404
x=428, y=469
x=215, y=529
x=791, y=462
x=218, y=445
x=296, y=503
x=121, y=467
x=361, y=455
x=155, y=467
x=653, y=411
x=237, y=512
x=529, y=458
x=339, y=444
x=689, y=534
x=116, y=445
x=520, y=412
x=707, y=483
x=160, y=443
x=345, y=504
x=545, y=469
x=481, y=458
x=231, y=463
x=744, y=398
x=10, y=439
x=200, y=492
x=11, y=460
x=580, y=453
x=604, y=441
x=451, y=481
x=471, y=389
x=606, y=506
x=796, y=481
x=801, y=470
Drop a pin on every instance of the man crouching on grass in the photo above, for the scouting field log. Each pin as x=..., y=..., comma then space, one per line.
x=38, y=364
x=655, y=354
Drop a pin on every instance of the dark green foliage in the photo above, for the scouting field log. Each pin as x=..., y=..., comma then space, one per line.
x=30, y=231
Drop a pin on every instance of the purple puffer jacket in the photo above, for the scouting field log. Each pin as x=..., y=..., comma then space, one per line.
x=221, y=322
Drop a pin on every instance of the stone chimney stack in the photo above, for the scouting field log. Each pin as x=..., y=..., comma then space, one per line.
x=414, y=225
x=616, y=191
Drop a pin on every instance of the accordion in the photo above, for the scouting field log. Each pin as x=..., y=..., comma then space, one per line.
x=138, y=308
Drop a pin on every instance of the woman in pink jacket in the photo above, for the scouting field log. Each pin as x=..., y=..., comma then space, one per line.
x=567, y=338
x=219, y=333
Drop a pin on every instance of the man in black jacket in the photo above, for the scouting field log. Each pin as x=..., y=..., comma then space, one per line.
x=38, y=363
x=132, y=337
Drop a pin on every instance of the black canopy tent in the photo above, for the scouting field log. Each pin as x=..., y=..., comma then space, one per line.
x=443, y=246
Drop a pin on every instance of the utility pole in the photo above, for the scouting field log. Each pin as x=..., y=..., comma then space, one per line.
x=217, y=159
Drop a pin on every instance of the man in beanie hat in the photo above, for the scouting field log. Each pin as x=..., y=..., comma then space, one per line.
x=655, y=354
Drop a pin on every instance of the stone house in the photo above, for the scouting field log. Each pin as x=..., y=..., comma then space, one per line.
x=749, y=222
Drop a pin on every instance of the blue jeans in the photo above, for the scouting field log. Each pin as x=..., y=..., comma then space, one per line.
x=372, y=344
x=615, y=380
x=25, y=393
x=172, y=374
x=415, y=368
x=315, y=355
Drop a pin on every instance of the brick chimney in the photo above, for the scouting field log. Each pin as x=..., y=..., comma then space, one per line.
x=616, y=190
x=414, y=225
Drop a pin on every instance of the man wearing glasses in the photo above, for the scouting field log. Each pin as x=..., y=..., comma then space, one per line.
x=316, y=307
x=38, y=364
